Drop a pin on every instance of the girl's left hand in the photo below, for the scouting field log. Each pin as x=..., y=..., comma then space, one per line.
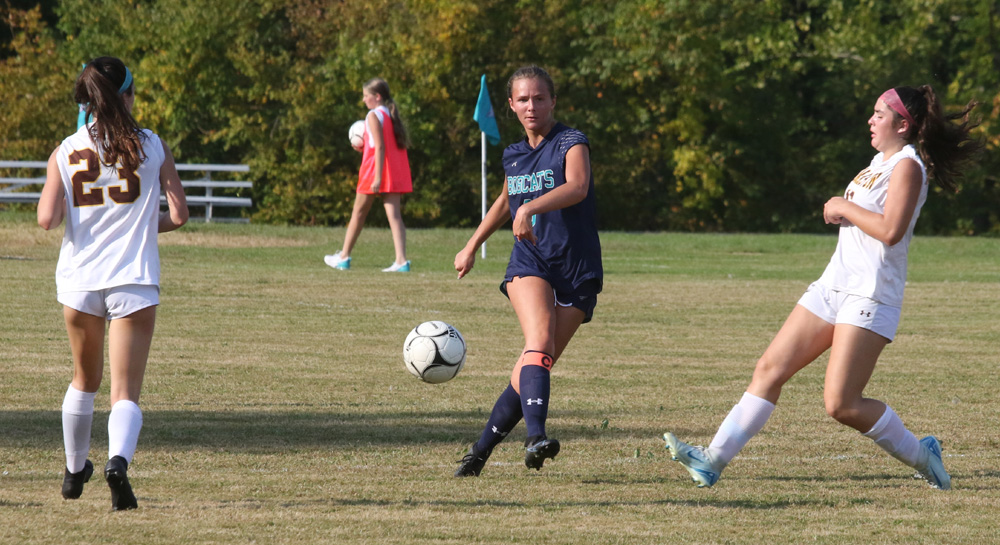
x=522, y=226
x=376, y=185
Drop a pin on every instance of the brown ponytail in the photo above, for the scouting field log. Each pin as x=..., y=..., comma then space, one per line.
x=945, y=147
x=115, y=132
x=378, y=86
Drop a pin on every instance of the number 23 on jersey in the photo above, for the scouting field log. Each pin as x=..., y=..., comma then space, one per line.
x=85, y=195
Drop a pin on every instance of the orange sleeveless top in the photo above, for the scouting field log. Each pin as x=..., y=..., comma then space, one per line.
x=396, y=170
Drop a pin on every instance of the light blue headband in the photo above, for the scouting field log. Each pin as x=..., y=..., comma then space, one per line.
x=127, y=82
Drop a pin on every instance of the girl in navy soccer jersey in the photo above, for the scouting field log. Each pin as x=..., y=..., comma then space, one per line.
x=554, y=273
x=854, y=308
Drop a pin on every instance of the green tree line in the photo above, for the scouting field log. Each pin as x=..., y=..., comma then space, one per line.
x=703, y=115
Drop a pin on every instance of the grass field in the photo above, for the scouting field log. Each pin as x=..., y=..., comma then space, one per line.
x=277, y=409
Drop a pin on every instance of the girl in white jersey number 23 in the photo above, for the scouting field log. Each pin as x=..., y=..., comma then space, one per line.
x=105, y=181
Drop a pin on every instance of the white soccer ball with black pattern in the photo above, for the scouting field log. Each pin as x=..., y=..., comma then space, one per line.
x=434, y=352
x=357, y=133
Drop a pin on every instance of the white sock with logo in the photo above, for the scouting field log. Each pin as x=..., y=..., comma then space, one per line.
x=77, y=417
x=124, y=425
x=890, y=434
x=743, y=422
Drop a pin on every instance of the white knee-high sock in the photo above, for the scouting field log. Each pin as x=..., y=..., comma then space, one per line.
x=890, y=434
x=124, y=424
x=77, y=417
x=743, y=422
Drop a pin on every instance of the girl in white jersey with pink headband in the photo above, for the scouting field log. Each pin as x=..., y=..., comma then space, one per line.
x=854, y=307
x=105, y=180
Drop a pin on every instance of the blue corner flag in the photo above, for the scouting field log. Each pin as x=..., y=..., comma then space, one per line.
x=484, y=114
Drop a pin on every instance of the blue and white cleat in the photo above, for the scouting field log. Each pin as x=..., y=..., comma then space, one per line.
x=696, y=460
x=337, y=262
x=398, y=267
x=934, y=472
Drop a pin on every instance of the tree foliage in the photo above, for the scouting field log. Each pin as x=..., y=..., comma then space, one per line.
x=702, y=115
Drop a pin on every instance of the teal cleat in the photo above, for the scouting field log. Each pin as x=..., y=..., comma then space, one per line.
x=337, y=262
x=696, y=460
x=396, y=267
x=933, y=472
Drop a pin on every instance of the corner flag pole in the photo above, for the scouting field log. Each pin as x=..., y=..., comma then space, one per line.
x=484, y=185
x=488, y=129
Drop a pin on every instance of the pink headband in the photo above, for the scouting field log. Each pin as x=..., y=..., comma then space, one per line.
x=892, y=100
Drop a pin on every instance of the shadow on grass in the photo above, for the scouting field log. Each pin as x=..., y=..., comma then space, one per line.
x=976, y=480
x=515, y=504
x=264, y=430
x=19, y=505
x=879, y=480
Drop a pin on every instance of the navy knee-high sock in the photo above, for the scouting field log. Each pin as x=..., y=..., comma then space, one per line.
x=534, y=383
x=506, y=414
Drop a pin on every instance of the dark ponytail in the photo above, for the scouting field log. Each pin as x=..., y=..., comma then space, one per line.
x=945, y=147
x=102, y=87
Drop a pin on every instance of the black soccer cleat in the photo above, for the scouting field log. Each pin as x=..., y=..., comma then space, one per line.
x=115, y=473
x=472, y=464
x=73, y=482
x=536, y=453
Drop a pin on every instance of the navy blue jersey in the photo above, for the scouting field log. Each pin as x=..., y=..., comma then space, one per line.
x=568, y=250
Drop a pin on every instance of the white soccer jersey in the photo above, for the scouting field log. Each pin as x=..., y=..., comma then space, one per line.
x=862, y=265
x=112, y=217
x=380, y=113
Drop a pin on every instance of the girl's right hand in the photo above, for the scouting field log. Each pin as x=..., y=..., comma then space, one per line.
x=464, y=261
x=833, y=210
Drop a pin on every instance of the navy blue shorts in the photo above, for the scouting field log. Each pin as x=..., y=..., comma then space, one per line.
x=583, y=297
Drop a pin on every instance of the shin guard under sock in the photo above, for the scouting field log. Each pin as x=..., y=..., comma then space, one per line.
x=743, y=422
x=124, y=425
x=77, y=418
x=890, y=434
x=535, y=385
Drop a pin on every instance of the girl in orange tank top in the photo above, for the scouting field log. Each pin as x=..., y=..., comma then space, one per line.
x=385, y=171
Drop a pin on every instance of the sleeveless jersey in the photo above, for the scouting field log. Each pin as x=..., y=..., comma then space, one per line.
x=568, y=249
x=112, y=217
x=396, y=170
x=861, y=264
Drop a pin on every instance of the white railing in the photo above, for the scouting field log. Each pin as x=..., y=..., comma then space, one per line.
x=9, y=186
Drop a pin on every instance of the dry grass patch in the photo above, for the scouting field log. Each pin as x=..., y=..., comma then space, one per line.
x=227, y=240
x=277, y=409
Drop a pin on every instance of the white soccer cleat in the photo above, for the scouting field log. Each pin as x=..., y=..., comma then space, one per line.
x=337, y=262
x=397, y=267
x=934, y=472
x=696, y=460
